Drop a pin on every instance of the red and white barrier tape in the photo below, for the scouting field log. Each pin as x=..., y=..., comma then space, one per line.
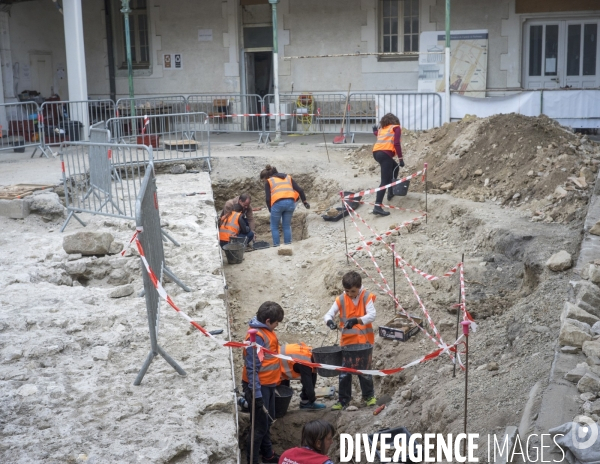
x=373, y=190
x=262, y=350
x=387, y=290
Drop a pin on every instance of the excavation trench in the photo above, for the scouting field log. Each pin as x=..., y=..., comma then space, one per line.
x=509, y=290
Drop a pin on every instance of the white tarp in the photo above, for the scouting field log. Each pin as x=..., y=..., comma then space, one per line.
x=574, y=108
x=526, y=103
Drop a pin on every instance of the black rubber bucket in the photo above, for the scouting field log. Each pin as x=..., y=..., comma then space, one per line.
x=328, y=355
x=283, y=396
x=357, y=356
x=354, y=203
x=234, y=252
x=400, y=190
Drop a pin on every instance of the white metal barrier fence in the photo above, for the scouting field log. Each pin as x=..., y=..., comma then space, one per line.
x=228, y=112
x=151, y=106
x=102, y=178
x=181, y=136
x=69, y=121
x=147, y=219
x=25, y=129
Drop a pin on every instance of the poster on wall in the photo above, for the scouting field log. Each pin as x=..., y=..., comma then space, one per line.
x=468, y=62
x=172, y=61
x=205, y=35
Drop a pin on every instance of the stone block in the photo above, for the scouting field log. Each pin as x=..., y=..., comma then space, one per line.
x=575, y=312
x=122, y=291
x=46, y=204
x=572, y=336
x=588, y=297
x=591, y=349
x=88, y=243
x=560, y=261
x=589, y=383
x=576, y=374
x=14, y=209
x=285, y=250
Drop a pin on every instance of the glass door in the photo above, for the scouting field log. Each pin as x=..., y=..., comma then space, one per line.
x=582, y=54
x=561, y=54
x=544, y=55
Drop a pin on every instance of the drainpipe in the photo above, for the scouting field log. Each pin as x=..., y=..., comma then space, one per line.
x=447, y=61
x=276, y=73
x=109, y=46
x=126, y=10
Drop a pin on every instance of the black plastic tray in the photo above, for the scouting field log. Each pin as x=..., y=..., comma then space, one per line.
x=342, y=212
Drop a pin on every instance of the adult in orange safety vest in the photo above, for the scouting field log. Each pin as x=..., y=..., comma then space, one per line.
x=281, y=193
x=385, y=149
x=232, y=225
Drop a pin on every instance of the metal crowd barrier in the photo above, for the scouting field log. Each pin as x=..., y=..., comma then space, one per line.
x=24, y=127
x=181, y=136
x=230, y=112
x=68, y=121
x=306, y=113
x=151, y=106
x=147, y=220
x=416, y=111
x=102, y=178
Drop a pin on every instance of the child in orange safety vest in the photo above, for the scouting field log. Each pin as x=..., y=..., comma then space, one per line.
x=262, y=376
x=292, y=371
x=357, y=312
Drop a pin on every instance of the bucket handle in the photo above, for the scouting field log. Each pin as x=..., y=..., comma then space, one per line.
x=337, y=336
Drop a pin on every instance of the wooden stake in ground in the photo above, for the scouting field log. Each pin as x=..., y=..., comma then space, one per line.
x=252, y=333
x=342, y=137
x=462, y=260
x=344, y=219
x=465, y=327
x=394, y=272
x=325, y=140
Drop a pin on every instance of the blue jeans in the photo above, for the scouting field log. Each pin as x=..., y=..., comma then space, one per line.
x=282, y=211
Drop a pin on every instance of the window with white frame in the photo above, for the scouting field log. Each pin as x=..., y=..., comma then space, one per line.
x=398, y=26
x=138, y=32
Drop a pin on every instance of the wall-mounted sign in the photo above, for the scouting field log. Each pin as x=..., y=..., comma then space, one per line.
x=173, y=61
x=205, y=35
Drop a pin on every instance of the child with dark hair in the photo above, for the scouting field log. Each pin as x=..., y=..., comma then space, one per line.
x=262, y=377
x=317, y=438
x=357, y=311
x=385, y=149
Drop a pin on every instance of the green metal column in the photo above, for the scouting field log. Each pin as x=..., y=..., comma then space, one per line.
x=447, y=62
x=276, y=73
x=126, y=10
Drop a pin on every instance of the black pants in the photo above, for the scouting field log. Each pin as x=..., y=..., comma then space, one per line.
x=366, y=385
x=388, y=165
x=308, y=380
x=262, y=424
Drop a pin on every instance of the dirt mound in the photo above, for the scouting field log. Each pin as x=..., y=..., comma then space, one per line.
x=531, y=163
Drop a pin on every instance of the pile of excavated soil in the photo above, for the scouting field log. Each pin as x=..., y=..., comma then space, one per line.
x=531, y=163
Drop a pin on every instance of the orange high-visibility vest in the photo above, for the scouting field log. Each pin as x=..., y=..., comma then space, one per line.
x=297, y=351
x=385, y=139
x=230, y=226
x=359, y=333
x=282, y=188
x=269, y=373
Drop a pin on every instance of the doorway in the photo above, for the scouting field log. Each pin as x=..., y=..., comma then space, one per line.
x=562, y=54
x=259, y=73
x=41, y=73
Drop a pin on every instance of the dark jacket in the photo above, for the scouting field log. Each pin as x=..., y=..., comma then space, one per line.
x=255, y=324
x=295, y=186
